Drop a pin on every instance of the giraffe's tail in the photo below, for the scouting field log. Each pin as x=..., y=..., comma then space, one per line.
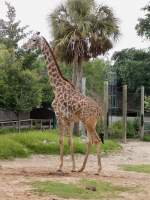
x=100, y=125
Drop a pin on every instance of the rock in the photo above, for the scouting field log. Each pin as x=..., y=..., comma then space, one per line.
x=92, y=188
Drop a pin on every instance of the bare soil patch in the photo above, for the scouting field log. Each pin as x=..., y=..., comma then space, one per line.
x=16, y=175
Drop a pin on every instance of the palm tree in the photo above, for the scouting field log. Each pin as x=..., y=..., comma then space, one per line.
x=82, y=30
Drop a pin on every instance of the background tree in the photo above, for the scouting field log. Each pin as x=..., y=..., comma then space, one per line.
x=143, y=26
x=95, y=72
x=11, y=32
x=23, y=82
x=132, y=68
x=19, y=89
x=82, y=30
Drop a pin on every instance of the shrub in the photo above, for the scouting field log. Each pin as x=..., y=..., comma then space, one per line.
x=116, y=129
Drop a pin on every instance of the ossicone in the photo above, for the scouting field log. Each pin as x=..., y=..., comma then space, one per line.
x=38, y=33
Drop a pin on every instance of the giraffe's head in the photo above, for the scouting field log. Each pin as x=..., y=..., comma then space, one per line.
x=34, y=42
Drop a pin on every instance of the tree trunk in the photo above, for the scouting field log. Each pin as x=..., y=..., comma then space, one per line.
x=77, y=77
x=77, y=82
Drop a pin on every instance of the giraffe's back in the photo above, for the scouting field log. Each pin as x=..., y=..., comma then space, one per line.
x=74, y=106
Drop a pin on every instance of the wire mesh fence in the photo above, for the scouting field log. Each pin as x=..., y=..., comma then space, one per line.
x=116, y=112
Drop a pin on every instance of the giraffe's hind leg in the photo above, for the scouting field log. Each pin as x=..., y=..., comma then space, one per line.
x=98, y=158
x=93, y=139
x=88, y=147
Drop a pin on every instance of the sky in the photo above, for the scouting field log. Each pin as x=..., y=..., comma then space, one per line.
x=35, y=14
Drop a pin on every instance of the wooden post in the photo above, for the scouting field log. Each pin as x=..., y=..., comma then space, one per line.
x=125, y=113
x=84, y=85
x=19, y=123
x=142, y=114
x=50, y=124
x=81, y=126
x=106, y=114
x=31, y=124
x=19, y=126
x=41, y=125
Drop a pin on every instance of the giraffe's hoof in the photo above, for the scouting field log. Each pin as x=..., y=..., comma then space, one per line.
x=60, y=171
x=73, y=170
x=97, y=173
x=80, y=170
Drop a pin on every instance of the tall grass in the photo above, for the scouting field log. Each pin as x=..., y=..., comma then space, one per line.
x=42, y=142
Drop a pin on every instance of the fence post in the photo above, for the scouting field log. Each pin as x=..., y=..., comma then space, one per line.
x=106, y=114
x=84, y=85
x=81, y=126
x=19, y=125
x=142, y=114
x=50, y=124
x=31, y=123
x=41, y=124
x=124, y=113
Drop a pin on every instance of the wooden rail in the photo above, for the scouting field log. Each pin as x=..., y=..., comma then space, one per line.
x=28, y=123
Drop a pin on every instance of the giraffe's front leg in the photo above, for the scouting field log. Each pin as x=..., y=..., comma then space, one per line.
x=61, y=145
x=70, y=143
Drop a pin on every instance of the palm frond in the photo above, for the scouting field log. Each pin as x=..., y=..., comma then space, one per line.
x=82, y=29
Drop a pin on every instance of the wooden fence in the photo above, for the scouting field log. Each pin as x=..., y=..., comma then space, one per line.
x=29, y=123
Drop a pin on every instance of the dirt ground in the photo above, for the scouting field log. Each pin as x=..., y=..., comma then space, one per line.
x=16, y=175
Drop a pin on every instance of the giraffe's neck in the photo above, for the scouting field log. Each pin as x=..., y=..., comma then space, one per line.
x=55, y=76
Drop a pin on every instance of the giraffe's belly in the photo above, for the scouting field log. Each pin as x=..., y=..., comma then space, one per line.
x=81, y=115
x=76, y=109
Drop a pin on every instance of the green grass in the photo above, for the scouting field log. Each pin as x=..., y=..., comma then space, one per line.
x=145, y=168
x=79, y=191
x=10, y=149
x=7, y=130
x=24, y=144
x=146, y=138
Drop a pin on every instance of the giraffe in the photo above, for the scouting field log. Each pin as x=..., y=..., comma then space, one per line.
x=69, y=105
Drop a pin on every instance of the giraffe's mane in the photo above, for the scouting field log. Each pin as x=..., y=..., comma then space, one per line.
x=57, y=63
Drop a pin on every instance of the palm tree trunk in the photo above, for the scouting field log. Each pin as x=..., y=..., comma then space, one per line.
x=77, y=76
x=77, y=82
